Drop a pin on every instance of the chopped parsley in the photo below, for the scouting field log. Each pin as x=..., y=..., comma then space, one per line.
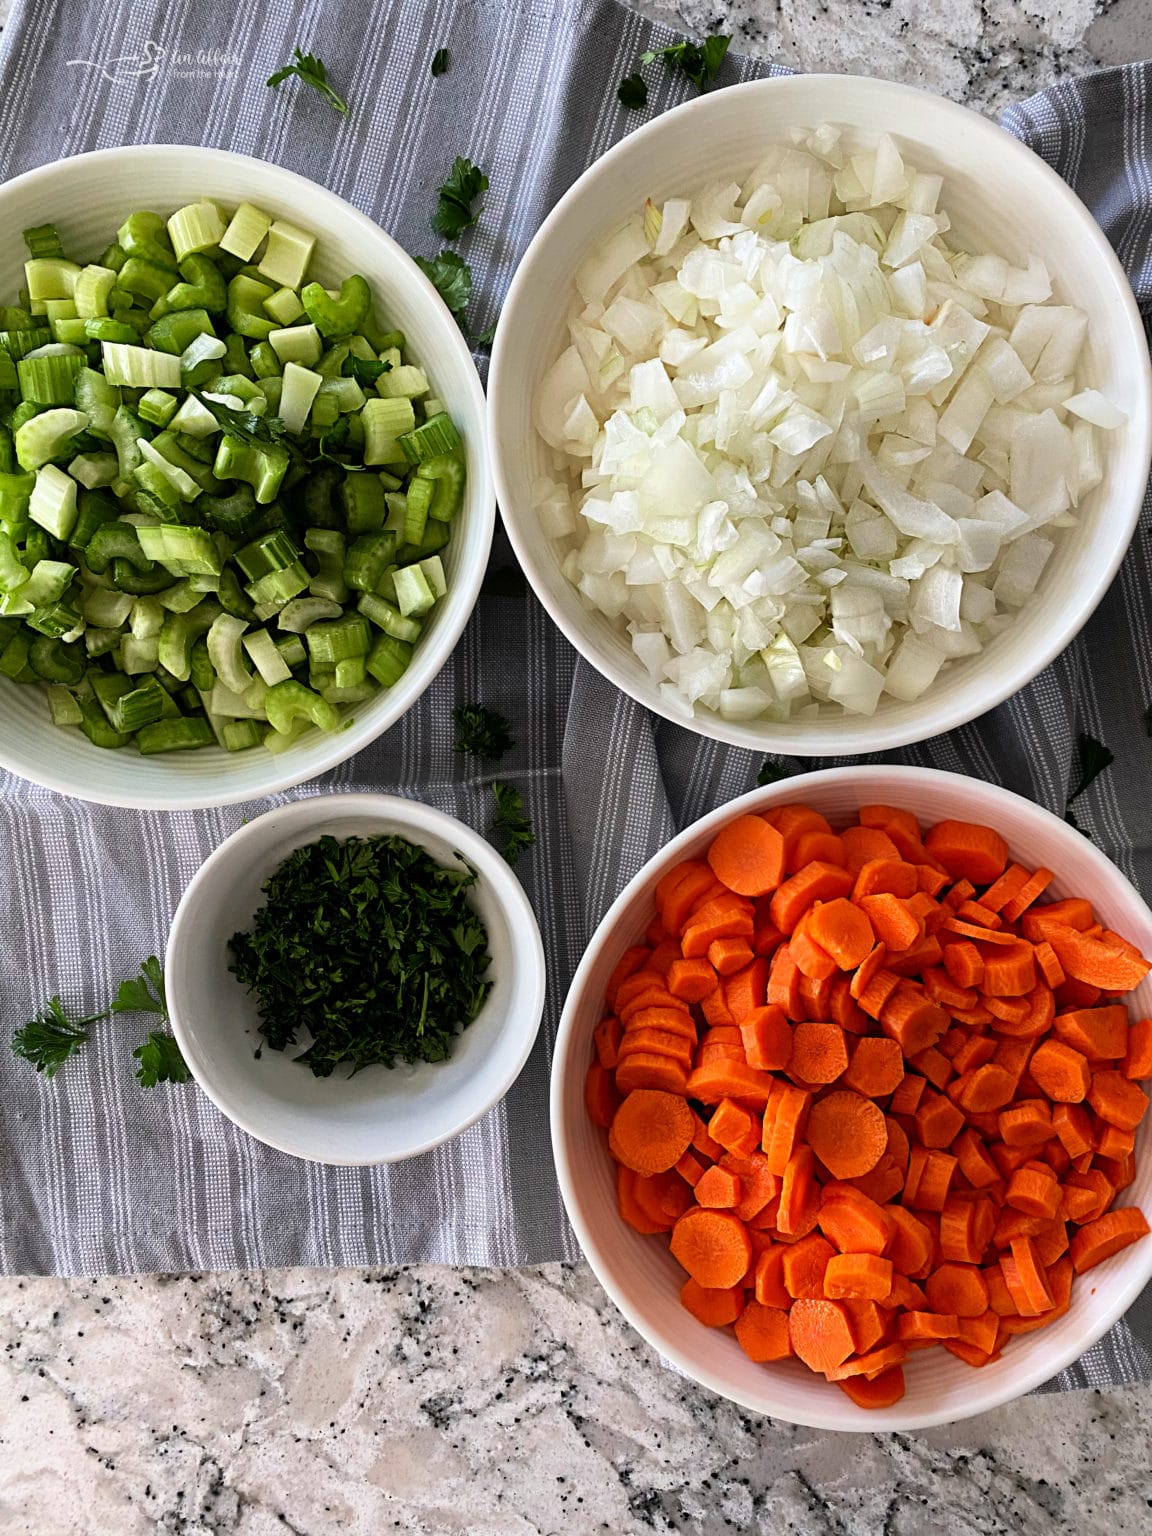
x=454, y=213
x=246, y=425
x=511, y=823
x=482, y=732
x=1094, y=757
x=441, y=60
x=312, y=71
x=633, y=91
x=371, y=948
x=144, y=993
x=700, y=62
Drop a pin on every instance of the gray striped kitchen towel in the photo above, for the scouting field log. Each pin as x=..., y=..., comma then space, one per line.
x=97, y=1175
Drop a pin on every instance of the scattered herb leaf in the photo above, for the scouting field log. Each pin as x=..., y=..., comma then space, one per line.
x=633, y=91
x=245, y=425
x=699, y=61
x=441, y=59
x=365, y=370
x=370, y=946
x=511, y=822
x=466, y=182
x=451, y=276
x=144, y=993
x=1094, y=758
x=772, y=772
x=160, y=1062
x=486, y=338
x=482, y=732
x=312, y=71
x=51, y=1037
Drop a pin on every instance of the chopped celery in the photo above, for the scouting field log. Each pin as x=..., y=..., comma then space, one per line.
x=198, y=388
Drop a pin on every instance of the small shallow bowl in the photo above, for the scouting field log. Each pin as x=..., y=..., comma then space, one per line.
x=1000, y=196
x=88, y=197
x=381, y=1115
x=640, y=1274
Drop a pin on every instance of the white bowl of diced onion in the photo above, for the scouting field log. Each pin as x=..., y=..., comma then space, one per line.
x=88, y=197
x=808, y=488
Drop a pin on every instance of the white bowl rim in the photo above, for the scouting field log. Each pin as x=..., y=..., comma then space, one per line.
x=462, y=598
x=1040, y=1367
x=497, y=874
x=792, y=738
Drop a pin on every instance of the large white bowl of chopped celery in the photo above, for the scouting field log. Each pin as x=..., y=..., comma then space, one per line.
x=245, y=499
x=820, y=413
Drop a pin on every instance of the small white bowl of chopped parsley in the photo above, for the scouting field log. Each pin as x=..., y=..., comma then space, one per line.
x=354, y=979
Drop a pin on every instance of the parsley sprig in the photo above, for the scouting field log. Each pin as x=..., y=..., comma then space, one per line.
x=451, y=276
x=441, y=60
x=246, y=425
x=312, y=71
x=48, y=1040
x=484, y=733
x=454, y=212
x=511, y=823
x=1094, y=757
x=365, y=370
x=633, y=91
x=700, y=62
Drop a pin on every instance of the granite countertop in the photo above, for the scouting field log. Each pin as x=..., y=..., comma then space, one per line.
x=460, y=1401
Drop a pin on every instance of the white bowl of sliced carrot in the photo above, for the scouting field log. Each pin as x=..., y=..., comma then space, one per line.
x=851, y=1070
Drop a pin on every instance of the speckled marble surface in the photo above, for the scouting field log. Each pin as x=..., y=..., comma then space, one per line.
x=466, y=1401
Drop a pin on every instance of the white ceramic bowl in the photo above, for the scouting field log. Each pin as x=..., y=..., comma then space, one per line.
x=88, y=197
x=1001, y=197
x=382, y=1114
x=640, y=1274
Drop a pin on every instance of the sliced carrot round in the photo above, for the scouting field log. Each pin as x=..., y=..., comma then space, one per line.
x=847, y=1133
x=747, y=856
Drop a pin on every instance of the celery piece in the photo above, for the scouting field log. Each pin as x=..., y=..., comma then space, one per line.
x=140, y=367
x=183, y=482
x=145, y=280
x=63, y=706
x=235, y=359
x=165, y=499
x=246, y=296
x=93, y=287
x=265, y=363
x=277, y=588
x=287, y=254
x=175, y=332
x=385, y=422
x=284, y=307
x=178, y=451
x=182, y=550
x=388, y=618
x=447, y=473
x=54, y=619
x=56, y=661
x=328, y=545
x=201, y=672
x=342, y=314
x=414, y=597
x=226, y=652
x=174, y=735
x=47, y=436
x=416, y=507
x=329, y=644
x=195, y=227
x=261, y=465
x=367, y=560
x=298, y=615
x=116, y=541
x=347, y=394
x=50, y=277
x=203, y=286
x=389, y=660
x=92, y=470
x=180, y=634
x=405, y=382
x=126, y=429
x=297, y=344
x=432, y=568
x=104, y=329
x=95, y=511
x=266, y=658
x=43, y=240
x=194, y=418
x=299, y=391
x=364, y=504
x=291, y=647
x=144, y=235
x=436, y=436
x=13, y=573
x=53, y=501
x=48, y=377
x=19, y=342
x=239, y=735
x=100, y=399
x=157, y=407
x=291, y=701
x=325, y=410
x=247, y=229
